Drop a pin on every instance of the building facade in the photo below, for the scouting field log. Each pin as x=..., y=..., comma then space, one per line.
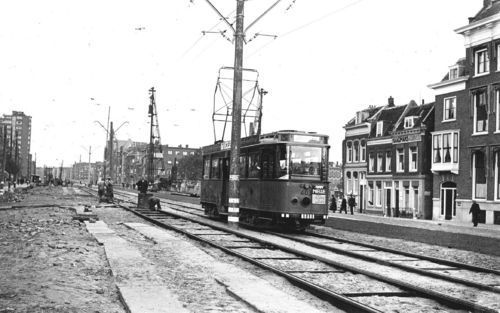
x=17, y=127
x=466, y=139
x=354, y=155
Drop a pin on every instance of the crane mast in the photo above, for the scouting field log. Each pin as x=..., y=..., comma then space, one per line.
x=155, y=165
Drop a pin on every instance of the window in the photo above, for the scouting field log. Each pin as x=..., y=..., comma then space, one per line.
x=480, y=112
x=453, y=72
x=363, y=150
x=380, y=129
x=497, y=175
x=482, y=62
x=192, y=153
x=206, y=168
x=479, y=175
x=413, y=159
x=305, y=162
x=214, y=170
x=356, y=151
x=349, y=152
x=283, y=159
x=449, y=109
x=387, y=161
x=497, y=104
x=268, y=163
x=254, y=165
x=349, y=182
x=400, y=160
x=380, y=167
x=243, y=166
x=370, y=194
x=184, y=153
x=371, y=163
x=169, y=162
x=409, y=122
x=378, y=194
x=445, y=147
x=355, y=183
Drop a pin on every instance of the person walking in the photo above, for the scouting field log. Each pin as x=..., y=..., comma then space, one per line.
x=333, y=204
x=352, y=204
x=343, y=206
x=474, y=209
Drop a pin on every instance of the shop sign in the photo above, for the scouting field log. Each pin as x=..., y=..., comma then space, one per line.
x=406, y=138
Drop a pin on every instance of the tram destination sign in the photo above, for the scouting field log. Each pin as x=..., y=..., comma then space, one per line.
x=406, y=138
x=319, y=195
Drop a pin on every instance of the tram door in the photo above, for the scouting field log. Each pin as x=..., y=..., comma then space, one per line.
x=225, y=181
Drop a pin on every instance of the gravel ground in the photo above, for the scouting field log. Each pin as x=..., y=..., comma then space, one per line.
x=50, y=263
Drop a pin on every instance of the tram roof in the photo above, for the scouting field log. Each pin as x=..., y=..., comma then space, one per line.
x=280, y=136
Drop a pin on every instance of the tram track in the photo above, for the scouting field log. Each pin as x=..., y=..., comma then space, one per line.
x=244, y=246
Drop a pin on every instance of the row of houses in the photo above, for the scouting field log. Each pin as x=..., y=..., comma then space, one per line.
x=432, y=160
x=128, y=163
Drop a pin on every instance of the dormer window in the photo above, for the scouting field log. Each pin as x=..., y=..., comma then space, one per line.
x=482, y=62
x=409, y=121
x=380, y=129
x=453, y=72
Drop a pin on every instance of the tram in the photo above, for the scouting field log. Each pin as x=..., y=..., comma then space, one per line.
x=283, y=179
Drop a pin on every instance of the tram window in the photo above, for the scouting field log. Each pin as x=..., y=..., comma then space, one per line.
x=214, y=171
x=243, y=166
x=206, y=168
x=267, y=164
x=254, y=165
x=305, y=162
x=283, y=162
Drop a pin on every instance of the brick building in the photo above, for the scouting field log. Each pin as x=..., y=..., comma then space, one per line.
x=354, y=154
x=385, y=164
x=466, y=139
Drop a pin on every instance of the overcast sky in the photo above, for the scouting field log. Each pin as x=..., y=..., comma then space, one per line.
x=65, y=62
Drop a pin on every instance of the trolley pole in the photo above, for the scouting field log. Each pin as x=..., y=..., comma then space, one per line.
x=234, y=172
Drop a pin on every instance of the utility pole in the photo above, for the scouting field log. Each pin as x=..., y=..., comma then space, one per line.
x=151, y=152
x=239, y=40
x=90, y=178
x=234, y=172
x=110, y=150
x=105, y=150
x=4, y=151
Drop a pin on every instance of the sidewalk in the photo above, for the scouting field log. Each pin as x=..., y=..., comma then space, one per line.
x=486, y=230
x=452, y=234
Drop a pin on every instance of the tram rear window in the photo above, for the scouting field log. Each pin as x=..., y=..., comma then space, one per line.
x=305, y=162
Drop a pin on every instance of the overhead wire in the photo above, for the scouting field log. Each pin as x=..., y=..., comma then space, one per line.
x=201, y=37
x=306, y=25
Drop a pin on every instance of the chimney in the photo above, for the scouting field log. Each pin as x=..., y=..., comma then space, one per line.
x=391, y=101
x=187, y=146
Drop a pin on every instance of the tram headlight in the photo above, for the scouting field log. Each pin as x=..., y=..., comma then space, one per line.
x=306, y=201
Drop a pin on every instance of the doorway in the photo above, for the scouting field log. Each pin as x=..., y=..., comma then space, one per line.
x=448, y=197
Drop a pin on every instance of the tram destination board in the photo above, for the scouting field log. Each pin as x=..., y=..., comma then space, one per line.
x=319, y=195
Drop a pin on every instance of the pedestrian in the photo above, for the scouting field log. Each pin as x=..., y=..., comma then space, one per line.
x=142, y=185
x=474, y=209
x=333, y=204
x=343, y=206
x=352, y=203
x=109, y=190
x=100, y=189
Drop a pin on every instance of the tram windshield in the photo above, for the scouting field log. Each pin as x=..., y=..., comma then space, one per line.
x=305, y=162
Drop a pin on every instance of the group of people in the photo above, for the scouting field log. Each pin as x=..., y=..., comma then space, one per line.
x=105, y=190
x=142, y=186
x=351, y=202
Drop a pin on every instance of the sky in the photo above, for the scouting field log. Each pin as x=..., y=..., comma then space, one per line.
x=66, y=63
